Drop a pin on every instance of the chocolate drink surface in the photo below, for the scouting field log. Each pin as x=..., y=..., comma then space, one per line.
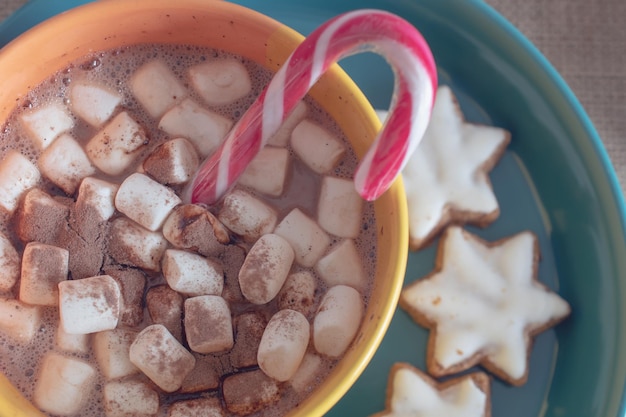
x=127, y=300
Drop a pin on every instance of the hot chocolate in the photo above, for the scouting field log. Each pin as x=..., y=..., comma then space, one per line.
x=243, y=307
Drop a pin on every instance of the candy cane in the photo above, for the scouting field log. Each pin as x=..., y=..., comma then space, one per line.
x=363, y=30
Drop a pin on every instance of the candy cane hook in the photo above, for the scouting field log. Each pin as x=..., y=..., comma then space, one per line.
x=363, y=30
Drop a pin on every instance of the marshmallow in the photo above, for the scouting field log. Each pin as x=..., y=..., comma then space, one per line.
x=93, y=103
x=19, y=321
x=64, y=384
x=248, y=392
x=343, y=265
x=204, y=128
x=200, y=407
x=316, y=147
x=249, y=329
x=206, y=374
x=298, y=293
x=192, y=274
x=193, y=227
x=156, y=87
x=65, y=163
x=165, y=307
x=89, y=305
x=43, y=267
x=308, y=240
x=304, y=380
x=97, y=196
x=161, y=357
x=208, y=325
x=111, y=349
x=281, y=137
x=40, y=218
x=17, y=175
x=267, y=172
x=131, y=244
x=247, y=216
x=337, y=320
x=265, y=269
x=114, y=148
x=9, y=264
x=145, y=201
x=130, y=398
x=340, y=207
x=44, y=124
x=232, y=258
x=73, y=343
x=220, y=81
x=283, y=344
x=132, y=284
x=172, y=163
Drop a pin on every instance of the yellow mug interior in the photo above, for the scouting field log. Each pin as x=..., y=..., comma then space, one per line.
x=106, y=24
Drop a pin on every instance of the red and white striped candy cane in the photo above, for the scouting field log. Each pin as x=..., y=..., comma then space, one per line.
x=363, y=30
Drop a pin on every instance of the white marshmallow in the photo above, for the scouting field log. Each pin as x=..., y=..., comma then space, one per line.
x=156, y=87
x=44, y=124
x=64, y=384
x=340, y=207
x=89, y=305
x=19, y=321
x=308, y=240
x=192, y=274
x=65, y=163
x=114, y=148
x=316, y=146
x=208, y=324
x=283, y=344
x=220, y=81
x=247, y=216
x=298, y=292
x=342, y=265
x=199, y=407
x=281, y=137
x=130, y=398
x=74, y=343
x=267, y=173
x=93, y=103
x=174, y=162
x=304, y=378
x=145, y=201
x=265, y=269
x=337, y=320
x=131, y=244
x=17, y=175
x=111, y=349
x=99, y=195
x=204, y=128
x=161, y=357
x=9, y=264
x=193, y=227
x=247, y=392
x=43, y=267
x=165, y=307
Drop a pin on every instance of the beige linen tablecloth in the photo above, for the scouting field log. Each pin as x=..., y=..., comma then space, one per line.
x=586, y=42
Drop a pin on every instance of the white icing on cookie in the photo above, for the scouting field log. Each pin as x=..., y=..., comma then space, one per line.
x=413, y=394
x=448, y=171
x=485, y=300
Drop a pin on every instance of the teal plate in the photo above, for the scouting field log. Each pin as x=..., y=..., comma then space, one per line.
x=555, y=179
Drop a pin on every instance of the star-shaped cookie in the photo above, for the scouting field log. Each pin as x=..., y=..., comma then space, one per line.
x=412, y=393
x=446, y=179
x=483, y=305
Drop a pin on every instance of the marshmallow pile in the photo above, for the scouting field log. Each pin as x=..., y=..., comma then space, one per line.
x=167, y=296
